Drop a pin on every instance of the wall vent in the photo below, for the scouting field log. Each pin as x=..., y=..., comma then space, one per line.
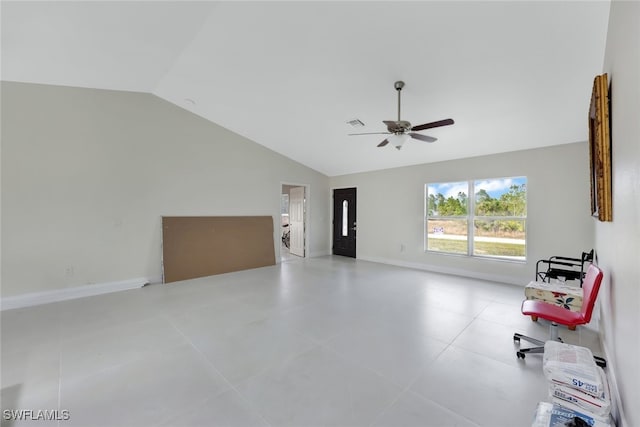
x=356, y=123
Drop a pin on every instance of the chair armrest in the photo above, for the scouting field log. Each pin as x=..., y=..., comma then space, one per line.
x=573, y=261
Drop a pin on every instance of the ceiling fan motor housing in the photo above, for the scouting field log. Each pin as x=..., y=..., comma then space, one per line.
x=400, y=126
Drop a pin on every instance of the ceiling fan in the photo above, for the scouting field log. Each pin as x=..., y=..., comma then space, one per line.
x=401, y=130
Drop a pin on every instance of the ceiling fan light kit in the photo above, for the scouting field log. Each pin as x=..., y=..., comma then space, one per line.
x=398, y=139
x=400, y=131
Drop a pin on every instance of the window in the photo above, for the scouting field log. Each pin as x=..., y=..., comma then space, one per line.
x=490, y=224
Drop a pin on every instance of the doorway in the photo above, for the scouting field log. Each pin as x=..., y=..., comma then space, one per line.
x=292, y=223
x=344, y=222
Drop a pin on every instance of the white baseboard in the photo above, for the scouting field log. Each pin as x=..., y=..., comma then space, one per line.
x=617, y=411
x=37, y=298
x=446, y=270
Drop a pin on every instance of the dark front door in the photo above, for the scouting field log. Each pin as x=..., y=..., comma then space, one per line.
x=344, y=222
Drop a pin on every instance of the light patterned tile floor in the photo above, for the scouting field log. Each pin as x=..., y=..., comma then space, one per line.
x=326, y=341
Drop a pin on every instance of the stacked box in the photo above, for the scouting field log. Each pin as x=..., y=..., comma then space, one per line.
x=571, y=397
x=571, y=365
x=575, y=381
x=555, y=292
x=552, y=415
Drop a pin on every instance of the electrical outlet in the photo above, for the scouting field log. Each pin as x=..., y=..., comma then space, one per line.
x=401, y=247
x=69, y=271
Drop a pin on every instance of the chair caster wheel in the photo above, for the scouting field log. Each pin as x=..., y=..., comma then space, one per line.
x=516, y=339
x=520, y=355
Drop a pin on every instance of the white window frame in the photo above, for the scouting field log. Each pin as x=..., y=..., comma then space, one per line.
x=471, y=218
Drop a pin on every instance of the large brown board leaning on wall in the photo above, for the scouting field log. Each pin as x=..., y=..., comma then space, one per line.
x=199, y=246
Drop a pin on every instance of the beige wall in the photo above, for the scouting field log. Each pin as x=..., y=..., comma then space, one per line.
x=391, y=209
x=618, y=242
x=87, y=175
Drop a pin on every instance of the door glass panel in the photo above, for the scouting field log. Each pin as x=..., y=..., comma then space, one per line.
x=345, y=216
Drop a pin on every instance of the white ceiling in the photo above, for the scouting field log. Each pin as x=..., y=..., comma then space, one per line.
x=289, y=75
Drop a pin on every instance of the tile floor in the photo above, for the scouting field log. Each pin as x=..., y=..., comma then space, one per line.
x=326, y=341
x=285, y=255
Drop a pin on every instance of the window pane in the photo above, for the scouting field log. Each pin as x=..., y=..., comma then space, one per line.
x=500, y=238
x=501, y=197
x=447, y=199
x=447, y=235
x=345, y=216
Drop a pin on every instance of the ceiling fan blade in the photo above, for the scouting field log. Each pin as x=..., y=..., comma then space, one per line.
x=422, y=137
x=370, y=133
x=389, y=122
x=439, y=123
x=383, y=143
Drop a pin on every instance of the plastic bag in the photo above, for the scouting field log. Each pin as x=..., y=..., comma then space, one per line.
x=572, y=366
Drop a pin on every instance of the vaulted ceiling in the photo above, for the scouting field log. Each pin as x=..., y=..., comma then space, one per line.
x=290, y=75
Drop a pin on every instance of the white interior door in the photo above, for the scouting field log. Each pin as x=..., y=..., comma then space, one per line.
x=296, y=221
